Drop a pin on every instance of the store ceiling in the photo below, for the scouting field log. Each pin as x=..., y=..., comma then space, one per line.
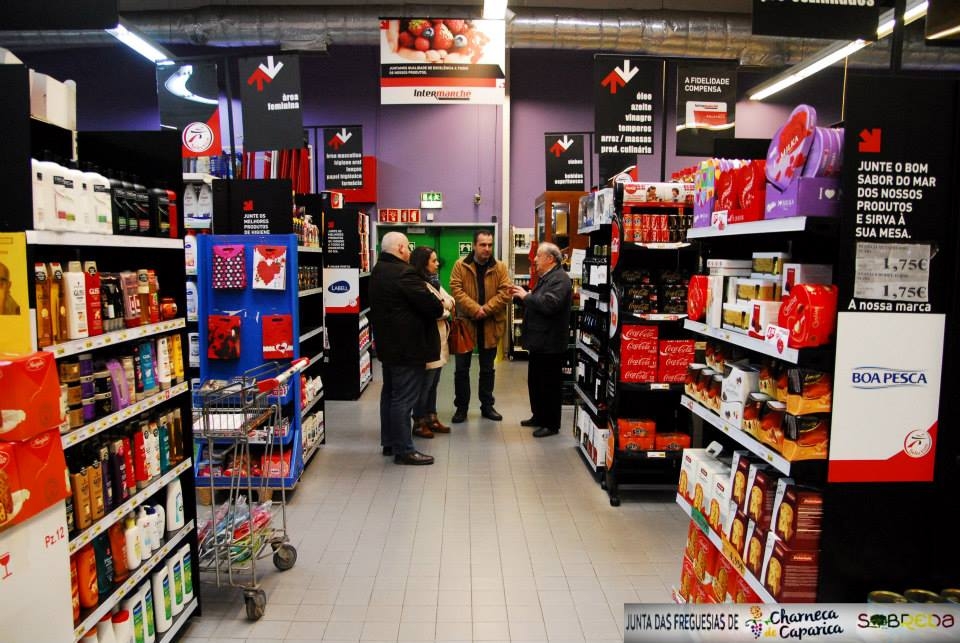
x=716, y=6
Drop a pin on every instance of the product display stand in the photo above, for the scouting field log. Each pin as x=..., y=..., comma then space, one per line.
x=518, y=259
x=346, y=275
x=155, y=157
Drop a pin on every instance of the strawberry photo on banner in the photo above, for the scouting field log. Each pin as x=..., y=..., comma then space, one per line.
x=269, y=267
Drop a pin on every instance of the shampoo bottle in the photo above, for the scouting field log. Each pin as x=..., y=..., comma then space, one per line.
x=150, y=624
x=118, y=552
x=174, y=509
x=123, y=627
x=65, y=195
x=101, y=196
x=105, y=573
x=41, y=284
x=187, y=566
x=134, y=605
x=154, y=290
x=131, y=299
x=176, y=583
x=75, y=292
x=44, y=199
x=94, y=305
x=192, y=300
x=58, y=309
x=163, y=363
x=190, y=250
x=134, y=546
x=162, y=609
x=159, y=523
x=145, y=525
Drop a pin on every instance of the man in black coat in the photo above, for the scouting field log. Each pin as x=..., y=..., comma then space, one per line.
x=403, y=319
x=546, y=323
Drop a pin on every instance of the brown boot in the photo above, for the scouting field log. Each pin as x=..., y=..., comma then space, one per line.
x=422, y=429
x=436, y=425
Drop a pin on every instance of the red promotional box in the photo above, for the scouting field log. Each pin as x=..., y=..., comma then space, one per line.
x=274, y=466
x=638, y=353
x=29, y=395
x=675, y=355
x=31, y=477
x=791, y=576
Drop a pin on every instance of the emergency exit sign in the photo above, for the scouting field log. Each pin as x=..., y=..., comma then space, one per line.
x=431, y=200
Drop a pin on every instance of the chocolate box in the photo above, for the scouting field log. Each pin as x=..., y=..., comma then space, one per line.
x=790, y=575
x=749, y=290
x=805, y=437
x=797, y=515
x=739, y=381
x=760, y=497
x=732, y=413
x=34, y=476
x=806, y=197
x=29, y=395
x=804, y=273
x=769, y=263
x=808, y=391
x=754, y=548
x=762, y=314
x=736, y=317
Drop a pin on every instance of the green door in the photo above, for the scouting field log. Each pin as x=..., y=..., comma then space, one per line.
x=450, y=243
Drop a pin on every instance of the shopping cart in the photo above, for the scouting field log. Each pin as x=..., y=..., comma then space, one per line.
x=234, y=415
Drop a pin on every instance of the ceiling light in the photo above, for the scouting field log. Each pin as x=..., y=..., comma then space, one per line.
x=834, y=53
x=494, y=9
x=128, y=36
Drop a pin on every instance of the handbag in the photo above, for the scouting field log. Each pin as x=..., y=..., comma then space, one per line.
x=269, y=267
x=229, y=267
x=223, y=337
x=459, y=339
x=277, y=337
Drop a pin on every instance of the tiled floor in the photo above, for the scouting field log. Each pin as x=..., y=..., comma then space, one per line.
x=505, y=538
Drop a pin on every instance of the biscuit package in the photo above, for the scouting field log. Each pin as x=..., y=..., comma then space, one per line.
x=790, y=575
x=797, y=515
x=761, y=491
x=756, y=541
x=724, y=582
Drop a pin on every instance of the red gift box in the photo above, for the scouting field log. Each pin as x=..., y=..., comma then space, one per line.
x=31, y=477
x=29, y=395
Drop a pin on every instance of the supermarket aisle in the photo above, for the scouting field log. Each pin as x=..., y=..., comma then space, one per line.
x=505, y=538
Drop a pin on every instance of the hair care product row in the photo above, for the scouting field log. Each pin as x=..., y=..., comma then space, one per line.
x=67, y=198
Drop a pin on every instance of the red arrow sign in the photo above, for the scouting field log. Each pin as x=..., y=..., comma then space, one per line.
x=335, y=142
x=557, y=149
x=870, y=140
x=613, y=81
x=259, y=77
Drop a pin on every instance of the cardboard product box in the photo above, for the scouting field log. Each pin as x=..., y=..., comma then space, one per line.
x=741, y=265
x=599, y=440
x=708, y=471
x=804, y=273
x=724, y=582
x=646, y=192
x=740, y=379
x=739, y=468
x=718, y=501
x=805, y=437
x=636, y=428
x=760, y=497
x=713, y=314
x=276, y=466
x=755, y=548
x=762, y=314
x=744, y=593
x=737, y=536
x=671, y=441
x=797, y=515
x=771, y=428
x=647, y=443
x=804, y=197
x=603, y=206
x=674, y=356
x=688, y=579
x=753, y=466
x=769, y=263
x=53, y=101
x=791, y=576
x=752, y=410
x=713, y=393
x=29, y=395
x=705, y=560
x=690, y=381
x=810, y=314
x=697, y=296
x=809, y=391
x=732, y=412
x=693, y=535
x=31, y=476
x=750, y=290
x=736, y=317
x=689, y=464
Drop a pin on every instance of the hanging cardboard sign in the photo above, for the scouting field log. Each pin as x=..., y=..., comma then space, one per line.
x=836, y=20
x=624, y=107
x=565, y=161
x=188, y=96
x=706, y=106
x=270, y=99
x=343, y=157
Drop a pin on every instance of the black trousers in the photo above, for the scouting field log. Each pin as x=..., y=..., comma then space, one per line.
x=545, y=386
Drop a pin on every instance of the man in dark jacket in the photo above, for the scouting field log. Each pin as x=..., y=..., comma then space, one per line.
x=403, y=318
x=546, y=323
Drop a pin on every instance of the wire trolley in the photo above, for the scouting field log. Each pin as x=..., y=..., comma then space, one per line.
x=233, y=416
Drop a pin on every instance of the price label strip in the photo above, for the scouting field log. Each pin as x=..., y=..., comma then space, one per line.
x=893, y=271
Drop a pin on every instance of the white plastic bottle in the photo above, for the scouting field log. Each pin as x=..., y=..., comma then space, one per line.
x=205, y=203
x=134, y=605
x=175, y=572
x=44, y=198
x=190, y=252
x=187, y=565
x=162, y=608
x=105, y=629
x=80, y=203
x=159, y=523
x=101, y=204
x=149, y=622
x=123, y=627
x=86, y=220
x=145, y=525
x=163, y=366
x=90, y=637
x=134, y=544
x=192, y=299
x=174, y=509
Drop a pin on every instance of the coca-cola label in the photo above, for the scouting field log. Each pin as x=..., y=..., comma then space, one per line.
x=636, y=332
x=675, y=362
x=671, y=347
x=643, y=346
x=637, y=375
x=641, y=362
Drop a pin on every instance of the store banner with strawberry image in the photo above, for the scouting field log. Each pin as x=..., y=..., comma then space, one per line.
x=442, y=61
x=188, y=98
x=270, y=100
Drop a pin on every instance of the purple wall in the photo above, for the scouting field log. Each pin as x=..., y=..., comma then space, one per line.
x=453, y=149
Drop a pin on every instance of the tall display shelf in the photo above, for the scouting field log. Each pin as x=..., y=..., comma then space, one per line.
x=518, y=260
x=346, y=276
x=250, y=311
x=40, y=600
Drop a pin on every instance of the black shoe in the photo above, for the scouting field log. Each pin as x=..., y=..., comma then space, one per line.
x=491, y=414
x=531, y=421
x=543, y=432
x=414, y=457
x=459, y=416
x=387, y=450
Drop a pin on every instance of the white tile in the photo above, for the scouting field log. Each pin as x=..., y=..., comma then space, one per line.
x=457, y=631
x=269, y=630
x=454, y=613
x=489, y=597
x=382, y=597
x=419, y=613
x=496, y=631
x=524, y=612
x=417, y=631
x=527, y=631
x=343, y=631
x=376, y=631
x=384, y=613
x=420, y=597
x=314, y=613
x=343, y=613
x=454, y=597
x=489, y=613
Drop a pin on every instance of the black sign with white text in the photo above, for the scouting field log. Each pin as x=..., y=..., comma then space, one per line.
x=565, y=161
x=270, y=98
x=706, y=106
x=343, y=157
x=834, y=19
x=624, y=108
x=253, y=206
x=897, y=191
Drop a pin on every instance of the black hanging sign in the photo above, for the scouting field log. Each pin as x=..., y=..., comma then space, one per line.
x=833, y=19
x=343, y=157
x=188, y=97
x=706, y=106
x=270, y=98
x=624, y=106
x=564, y=161
x=253, y=206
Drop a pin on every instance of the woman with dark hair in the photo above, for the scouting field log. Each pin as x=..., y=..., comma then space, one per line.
x=424, y=261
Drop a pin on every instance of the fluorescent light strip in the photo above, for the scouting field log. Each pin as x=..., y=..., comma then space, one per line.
x=139, y=44
x=494, y=9
x=944, y=33
x=833, y=53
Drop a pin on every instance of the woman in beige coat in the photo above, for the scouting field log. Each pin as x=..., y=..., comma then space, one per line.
x=424, y=261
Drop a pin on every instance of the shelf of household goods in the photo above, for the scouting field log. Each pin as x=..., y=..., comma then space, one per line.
x=92, y=618
x=309, y=406
x=725, y=550
x=89, y=430
x=765, y=226
x=760, y=450
x=77, y=346
x=791, y=355
x=57, y=238
x=101, y=526
x=589, y=403
x=310, y=292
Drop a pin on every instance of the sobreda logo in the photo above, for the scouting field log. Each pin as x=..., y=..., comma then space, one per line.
x=878, y=377
x=339, y=287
